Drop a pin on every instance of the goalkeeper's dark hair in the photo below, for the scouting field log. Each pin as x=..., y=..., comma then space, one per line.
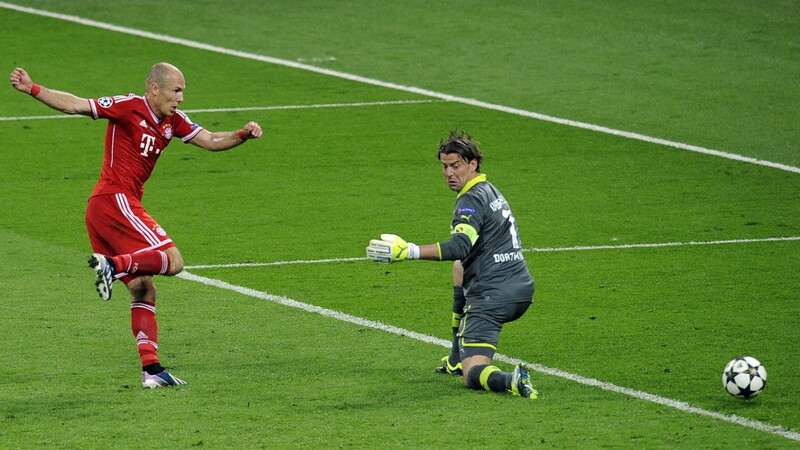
x=461, y=143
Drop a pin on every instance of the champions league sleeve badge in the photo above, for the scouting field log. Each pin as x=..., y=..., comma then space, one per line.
x=105, y=102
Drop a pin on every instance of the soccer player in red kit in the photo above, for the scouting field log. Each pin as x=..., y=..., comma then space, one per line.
x=130, y=245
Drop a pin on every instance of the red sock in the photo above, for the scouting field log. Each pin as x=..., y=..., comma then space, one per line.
x=145, y=330
x=148, y=262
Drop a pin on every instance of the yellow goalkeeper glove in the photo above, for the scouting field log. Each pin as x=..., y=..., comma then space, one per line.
x=390, y=248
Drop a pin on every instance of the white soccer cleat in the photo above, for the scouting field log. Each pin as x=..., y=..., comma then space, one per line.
x=162, y=379
x=105, y=274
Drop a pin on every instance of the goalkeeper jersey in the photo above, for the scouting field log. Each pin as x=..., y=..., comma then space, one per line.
x=486, y=240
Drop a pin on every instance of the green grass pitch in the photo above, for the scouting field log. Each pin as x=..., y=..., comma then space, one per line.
x=652, y=326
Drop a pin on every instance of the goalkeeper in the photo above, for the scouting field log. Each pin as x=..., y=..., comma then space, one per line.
x=497, y=286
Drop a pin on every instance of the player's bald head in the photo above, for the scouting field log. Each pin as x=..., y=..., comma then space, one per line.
x=161, y=72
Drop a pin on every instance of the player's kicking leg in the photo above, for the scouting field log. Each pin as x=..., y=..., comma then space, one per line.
x=150, y=262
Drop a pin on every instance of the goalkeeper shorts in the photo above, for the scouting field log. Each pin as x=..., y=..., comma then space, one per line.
x=479, y=330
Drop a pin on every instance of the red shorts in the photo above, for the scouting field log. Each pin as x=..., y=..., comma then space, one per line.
x=118, y=225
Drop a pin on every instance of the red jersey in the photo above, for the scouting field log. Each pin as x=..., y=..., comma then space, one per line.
x=135, y=139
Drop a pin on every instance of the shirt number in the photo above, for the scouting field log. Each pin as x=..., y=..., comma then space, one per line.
x=512, y=229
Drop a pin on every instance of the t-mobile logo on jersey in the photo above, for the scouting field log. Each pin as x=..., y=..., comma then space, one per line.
x=147, y=145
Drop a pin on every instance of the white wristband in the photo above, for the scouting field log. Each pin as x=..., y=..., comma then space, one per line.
x=413, y=251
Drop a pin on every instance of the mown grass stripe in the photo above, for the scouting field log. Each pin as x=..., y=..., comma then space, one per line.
x=389, y=85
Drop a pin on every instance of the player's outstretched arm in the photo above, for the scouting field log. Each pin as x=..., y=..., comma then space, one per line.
x=392, y=248
x=62, y=101
x=225, y=140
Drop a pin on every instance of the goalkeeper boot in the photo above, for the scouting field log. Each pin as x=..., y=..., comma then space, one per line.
x=105, y=274
x=445, y=367
x=161, y=379
x=521, y=382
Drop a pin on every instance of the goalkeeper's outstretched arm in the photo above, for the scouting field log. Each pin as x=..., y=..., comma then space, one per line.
x=430, y=252
x=392, y=248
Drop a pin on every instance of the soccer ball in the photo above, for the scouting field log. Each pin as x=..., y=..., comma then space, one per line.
x=744, y=377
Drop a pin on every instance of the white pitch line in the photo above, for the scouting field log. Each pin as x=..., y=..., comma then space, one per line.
x=555, y=249
x=663, y=244
x=385, y=84
x=641, y=395
x=247, y=108
x=321, y=105
x=57, y=116
x=275, y=263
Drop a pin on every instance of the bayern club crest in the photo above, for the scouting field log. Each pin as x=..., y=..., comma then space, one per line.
x=168, y=132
